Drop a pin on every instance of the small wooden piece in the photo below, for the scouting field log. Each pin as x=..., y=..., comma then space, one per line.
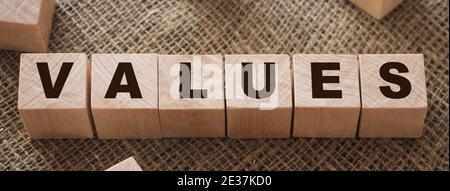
x=393, y=94
x=26, y=25
x=124, y=96
x=192, y=115
x=61, y=109
x=327, y=100
x=128, y=164
x=377, y=8
x=258, y=117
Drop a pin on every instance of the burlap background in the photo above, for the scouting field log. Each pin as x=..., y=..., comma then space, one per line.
x=250, y=26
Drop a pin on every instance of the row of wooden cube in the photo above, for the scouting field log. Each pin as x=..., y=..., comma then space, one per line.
x=349, y=92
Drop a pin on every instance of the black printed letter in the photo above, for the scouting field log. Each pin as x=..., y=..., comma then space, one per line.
x=405, y=85
x=44, y=72
x=318, y=80
x=124, y=69
x=185, y=83
x=247, y=75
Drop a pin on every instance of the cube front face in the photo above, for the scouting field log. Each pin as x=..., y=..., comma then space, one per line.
x=254, y=123
x=191, y=96
x=392, y=123
x=21, y=38
x=53, y=95
x=327, y=99
x=127, y=123
x=258, y=96
x=124, y=96
x=192, y=122
x=394, y=99
x=377, y=8
x=26, y=25
x=57, y=123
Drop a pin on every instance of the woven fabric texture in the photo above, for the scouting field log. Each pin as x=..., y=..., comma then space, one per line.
x=245, y=26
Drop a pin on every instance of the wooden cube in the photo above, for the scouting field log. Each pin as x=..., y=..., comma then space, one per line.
x=393, y=94
x=327, y=100
x=377, y=8
x=124, y=97
x=128, y=164
x=258, y=95
x=191, y=100
x=54, y=95
x=26, y=25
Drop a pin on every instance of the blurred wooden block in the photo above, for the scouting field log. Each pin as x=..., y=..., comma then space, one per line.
x=377, y=8
x=393, y=94
x=196, y=108
x=26, y=25
x=124, y=97
x=327, y=99
x=128, y=164
x=258, y=116
x=53, y=95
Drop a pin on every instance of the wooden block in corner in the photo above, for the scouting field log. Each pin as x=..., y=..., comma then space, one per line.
x=53, y=95
x=128, y=164
x=191, y=96
x=261, y=115
x=124, y=98
x=393, y=94
x=26, y=25
x=327, y=98
x=377, y=8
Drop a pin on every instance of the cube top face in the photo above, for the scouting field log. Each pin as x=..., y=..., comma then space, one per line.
x=205, y=76
x=279, y=97
x=141, y=69
x=74, y=89
x=372, y=82
x=342, y=66
x=128, y=164
x=20, y=11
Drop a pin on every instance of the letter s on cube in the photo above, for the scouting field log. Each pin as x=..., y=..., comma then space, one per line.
x=393, y=94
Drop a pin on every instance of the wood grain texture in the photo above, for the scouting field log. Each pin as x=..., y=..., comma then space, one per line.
x=326, y=117
x=196, y=117
x=386, y=117
x=128, y=164
x=377, y=8
x=124, y=117
x=67, y=116
x=258, y=118
x=26, y=25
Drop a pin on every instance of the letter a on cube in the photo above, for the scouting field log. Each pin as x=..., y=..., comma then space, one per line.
x=53, y=95
x=125, y=96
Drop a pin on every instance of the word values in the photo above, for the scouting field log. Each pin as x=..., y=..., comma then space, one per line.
x=141, y=96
